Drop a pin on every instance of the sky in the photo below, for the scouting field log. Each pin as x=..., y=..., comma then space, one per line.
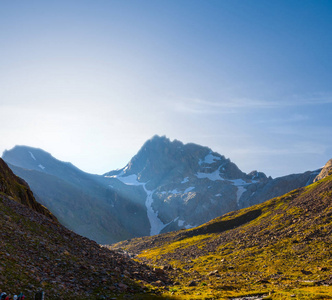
x=91, y=81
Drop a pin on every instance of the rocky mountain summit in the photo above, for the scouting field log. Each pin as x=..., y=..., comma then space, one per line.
x=38, y=253
x=186, y=185
x=166, y=186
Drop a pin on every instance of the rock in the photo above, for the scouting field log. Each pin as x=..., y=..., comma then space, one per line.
x=213, y=273
x=158, y=283
x=123, y=286
x=159, y=271
x=168, y=268
x=263, y=281
x=192, y=283
x=326, y=171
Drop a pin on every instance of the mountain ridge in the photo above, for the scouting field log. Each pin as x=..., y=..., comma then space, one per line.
x=166, y=186
x=78, y=199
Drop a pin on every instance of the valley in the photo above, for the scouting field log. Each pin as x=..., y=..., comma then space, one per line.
x=166, y=150
x=275, y=249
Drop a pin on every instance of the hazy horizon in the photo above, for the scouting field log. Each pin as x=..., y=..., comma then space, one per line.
x=90, y=82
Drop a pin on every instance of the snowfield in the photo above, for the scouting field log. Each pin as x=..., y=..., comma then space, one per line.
x=209, y=159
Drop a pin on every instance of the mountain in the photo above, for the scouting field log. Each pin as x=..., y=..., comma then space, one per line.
x=280, y=249
x=38, y=253
x=187, y=184
x=82, y=202
x=166, y=186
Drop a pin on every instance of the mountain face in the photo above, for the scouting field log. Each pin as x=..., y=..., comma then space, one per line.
x=279, y=249
x=167, y=186
x=187, y=185
x=38, y=253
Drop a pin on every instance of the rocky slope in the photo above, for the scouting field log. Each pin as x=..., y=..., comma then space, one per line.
x=280, y=248
x=18, y=190
x=37, y=253
x=167, y=186
x=326, y=171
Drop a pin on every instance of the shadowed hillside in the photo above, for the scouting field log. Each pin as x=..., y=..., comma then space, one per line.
x=16, y=188
x=38, y=253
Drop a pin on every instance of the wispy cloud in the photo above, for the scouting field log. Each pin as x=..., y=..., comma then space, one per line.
x=235, y=105
x=299, y=148
x=294, y=118
x=201, y=106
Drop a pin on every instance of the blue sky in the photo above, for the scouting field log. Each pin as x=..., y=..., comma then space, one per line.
x=91, y=81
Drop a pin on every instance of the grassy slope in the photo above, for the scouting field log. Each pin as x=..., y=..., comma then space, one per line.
x=281, y=248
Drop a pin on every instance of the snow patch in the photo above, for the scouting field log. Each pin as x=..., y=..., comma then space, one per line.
x=41, y=166
x=33, y=157
x=156, y=224
x=128, y=180
x=115, y=176
x=239, y=192
x=182, y=222
x=174, y=192
x=185, y=180
x=189, y=189
x=189, y=226
x=209, y=159
x=238, y=182
x=212, y=176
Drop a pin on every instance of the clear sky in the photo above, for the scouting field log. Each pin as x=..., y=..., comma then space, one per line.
x=91, y=81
